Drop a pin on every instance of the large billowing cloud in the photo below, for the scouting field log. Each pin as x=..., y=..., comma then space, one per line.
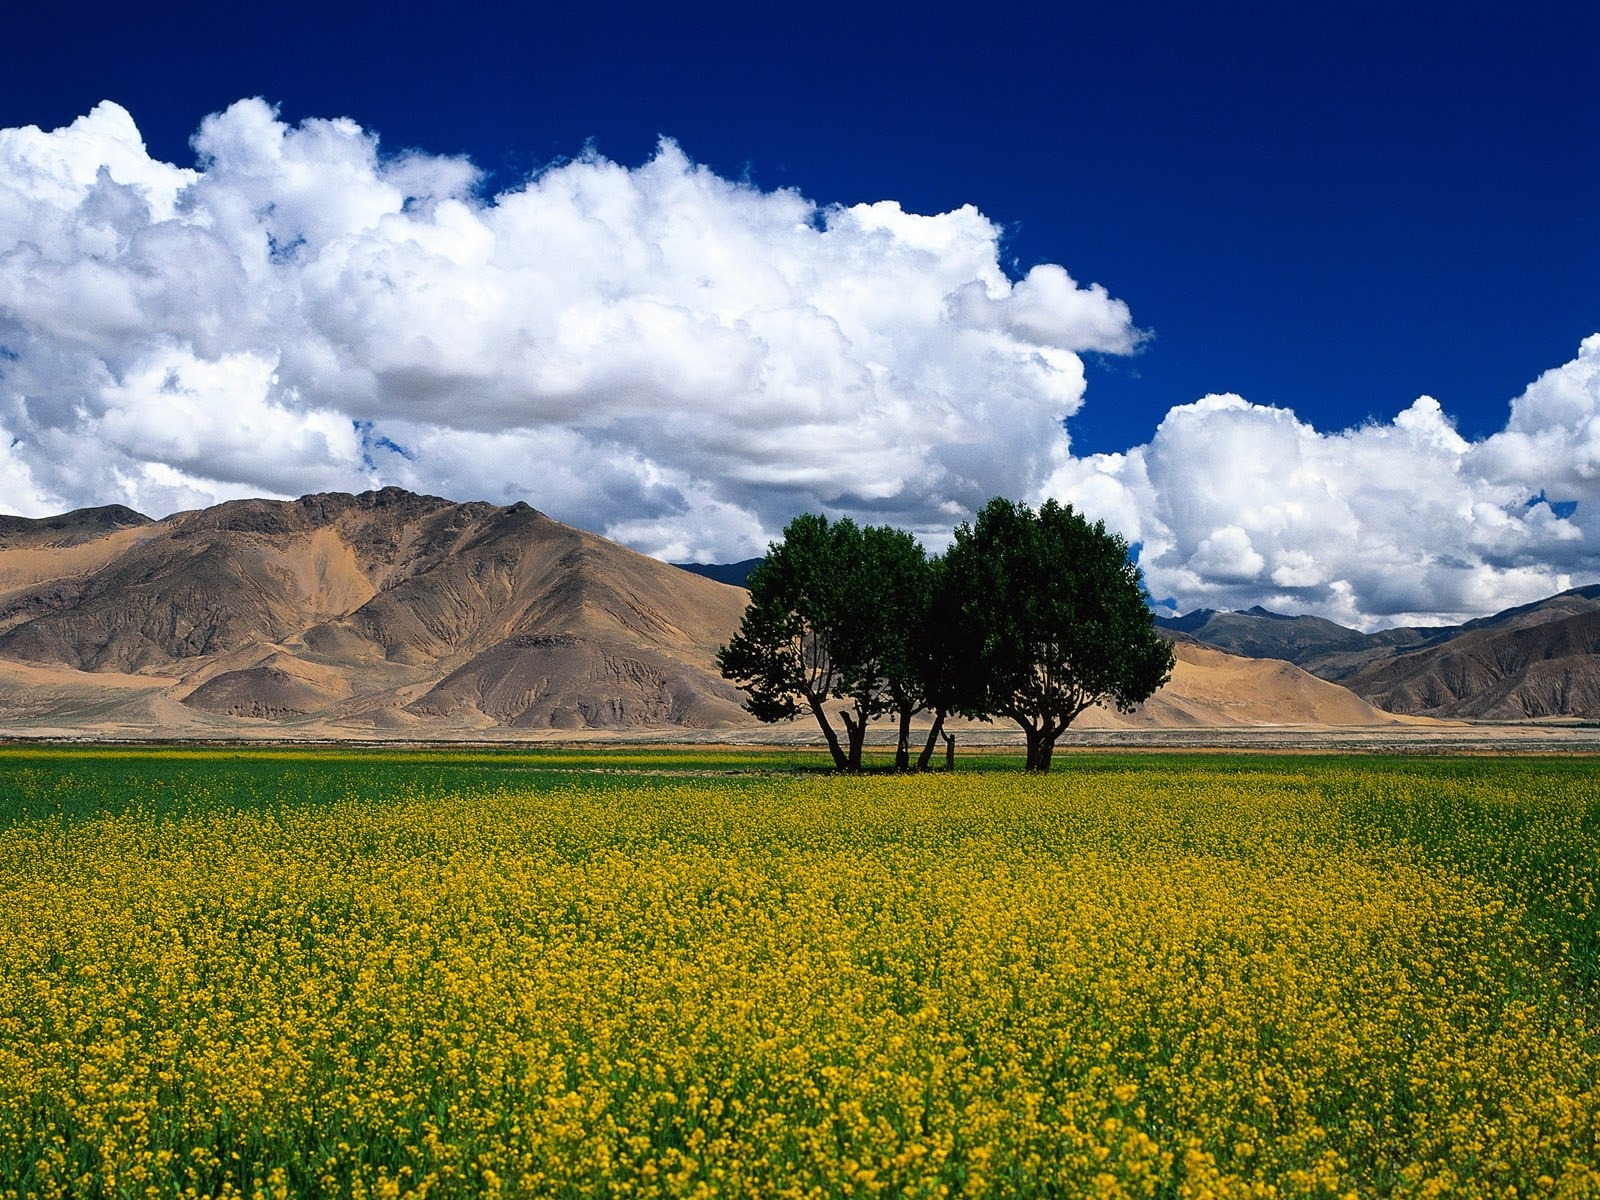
x=659, y=353
x=684, y=362
x=1238, y=504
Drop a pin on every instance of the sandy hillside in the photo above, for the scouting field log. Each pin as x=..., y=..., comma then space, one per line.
x=352, y=615
x=1211, y=689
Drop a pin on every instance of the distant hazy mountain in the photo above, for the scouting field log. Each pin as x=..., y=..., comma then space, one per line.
x=1535, y=660
x=732, y=573
x=1258, y=633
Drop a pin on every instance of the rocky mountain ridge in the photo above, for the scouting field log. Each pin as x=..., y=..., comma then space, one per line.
x=1530, y=662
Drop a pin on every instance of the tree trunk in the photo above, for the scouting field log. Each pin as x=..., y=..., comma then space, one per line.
x=926, y=757
x=840, y=762
x=1032, y=733
x=902, y=748
x=1041, y=740
x=855, y=725
x=1049, y=731
x=1037, y=743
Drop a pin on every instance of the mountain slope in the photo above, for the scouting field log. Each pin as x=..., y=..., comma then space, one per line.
x=1511, y=671
x=70, y=529
x=1323, y=647
x=1533, y=661
x=1211, y=688
x=350, y=608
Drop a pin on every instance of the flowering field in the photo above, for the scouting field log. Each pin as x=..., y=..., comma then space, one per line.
x=285, y=974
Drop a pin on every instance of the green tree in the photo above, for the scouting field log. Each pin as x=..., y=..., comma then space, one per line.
x=897, y=582
x=938, y=656
x=834, y=609
x=1051, y=618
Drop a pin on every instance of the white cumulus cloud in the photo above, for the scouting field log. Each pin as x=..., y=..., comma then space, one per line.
x=656, y=352
x=684, y=362
x=1236, y=504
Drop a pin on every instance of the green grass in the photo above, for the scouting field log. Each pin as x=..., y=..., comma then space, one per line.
x=74, y=782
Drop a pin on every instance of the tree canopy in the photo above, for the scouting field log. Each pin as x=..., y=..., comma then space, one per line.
x=1053, y=618
x=1028, y=616
x=835, y=609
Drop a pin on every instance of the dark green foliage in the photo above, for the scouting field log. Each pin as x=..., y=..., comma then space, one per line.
x=1031, y=616
x=834, y=613
x=784, y=653
x=1051, y=617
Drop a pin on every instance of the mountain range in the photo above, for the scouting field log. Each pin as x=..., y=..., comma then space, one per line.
x=393, y=615
x=384, y=611
x=1534, y=661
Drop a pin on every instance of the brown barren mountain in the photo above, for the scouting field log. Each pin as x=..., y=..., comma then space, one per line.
x=395, y=615
x=384, y=611
x=1213, y=689
x=1509, y=672
x=1532, y=662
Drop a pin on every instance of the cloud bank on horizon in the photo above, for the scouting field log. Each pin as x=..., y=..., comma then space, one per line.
x=683, y=362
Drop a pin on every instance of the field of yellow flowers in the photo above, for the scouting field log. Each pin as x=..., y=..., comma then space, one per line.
x=1159, y=976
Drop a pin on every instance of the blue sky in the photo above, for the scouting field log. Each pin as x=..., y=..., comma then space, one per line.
x=1332, y=207
x=1327, y=210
